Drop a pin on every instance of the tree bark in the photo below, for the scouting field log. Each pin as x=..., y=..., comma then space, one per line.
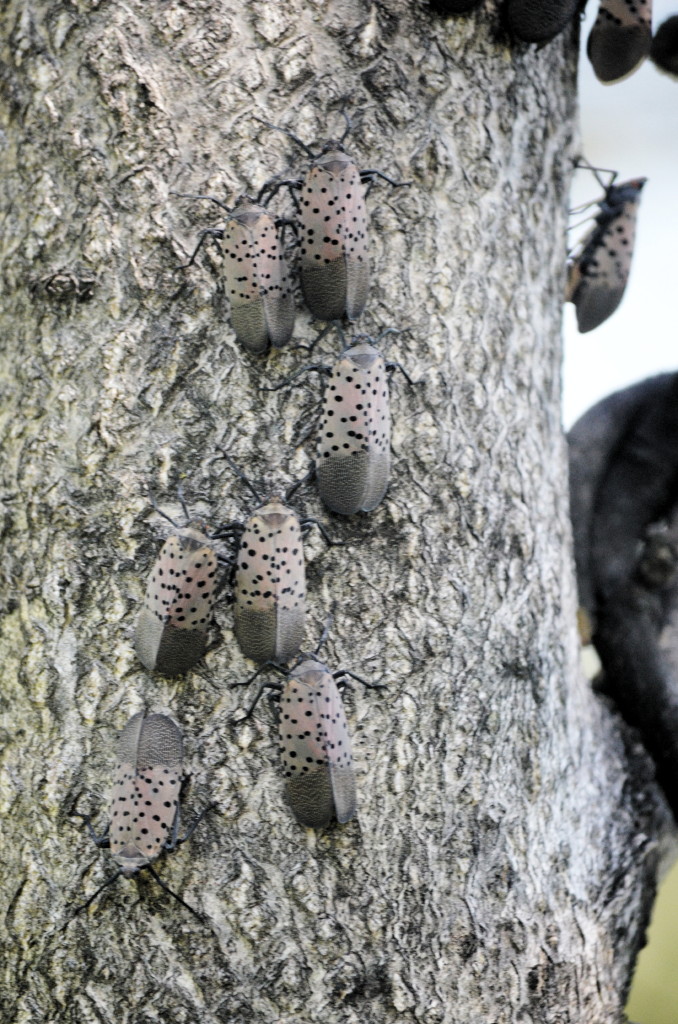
x=503, y=862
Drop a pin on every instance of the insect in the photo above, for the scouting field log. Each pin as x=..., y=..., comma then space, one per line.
x=620, y=39
x=315, y=745
x=269, y=584
x=599, y=270
x=256, y=274
x=354, y=445
x=335, y=269
x=144, y=809
x=538, y=21
x=664, y=49
x=171, y=631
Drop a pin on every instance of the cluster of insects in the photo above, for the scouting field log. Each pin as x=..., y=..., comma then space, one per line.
x=330, y=228
x=266, y=559
x=619, y=42
x=265, y=563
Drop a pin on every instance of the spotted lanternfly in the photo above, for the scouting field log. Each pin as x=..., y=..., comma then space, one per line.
x=537, y=21
x=315, y=747
x=257, y=279
x=354, y=455
x=664, y=49
x=144, y=810
x=256, y=275
x=171, y=631
x=335, y=270
x=620, y=39
x=270, y=585
x=599, y=270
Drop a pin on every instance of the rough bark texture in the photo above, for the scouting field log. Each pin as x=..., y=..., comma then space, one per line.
x=503, y=861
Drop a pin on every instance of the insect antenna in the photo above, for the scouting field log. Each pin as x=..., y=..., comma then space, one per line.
x=285, y=131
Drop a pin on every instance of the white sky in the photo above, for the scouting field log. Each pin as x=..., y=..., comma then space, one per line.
x=631, y=127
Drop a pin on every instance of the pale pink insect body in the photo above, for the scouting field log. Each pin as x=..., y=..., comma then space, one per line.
x=145, y=797
x=620, y=39
x=354, y=454
x=257, y=278
x=171, y=631
x=315, y=747
x=335, y=271
x=270, y=585
x=599, y=270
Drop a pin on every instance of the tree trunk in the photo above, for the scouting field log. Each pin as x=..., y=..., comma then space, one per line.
x=503, y=861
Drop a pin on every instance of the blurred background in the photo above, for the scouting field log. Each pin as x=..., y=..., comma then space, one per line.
x=632, y=127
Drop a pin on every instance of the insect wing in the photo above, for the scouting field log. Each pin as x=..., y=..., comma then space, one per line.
x=315, y=748
x=145, y=797
x=379, y=435
x=341, y=759
x=664, y=49
x=257, y=279
x=172, y=626
x=620, y=39
x=597, y=277
x=537, y=21
x=334, y=260
x=270, y=585
x=354, y=447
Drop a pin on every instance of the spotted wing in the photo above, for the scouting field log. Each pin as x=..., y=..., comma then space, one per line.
x=340, y=757
x=342, y=467
x=620, y=39
x=177, y=608
x=597, y=278
x=270, y=585
x=354, y=446
x=379, y=436
x=246, y=249
x=334, y=257
x=145, y=794
x=182, y=586
x=275, y=285
x=315, y=748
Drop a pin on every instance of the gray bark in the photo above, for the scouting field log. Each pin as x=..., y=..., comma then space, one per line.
x=503, y=862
